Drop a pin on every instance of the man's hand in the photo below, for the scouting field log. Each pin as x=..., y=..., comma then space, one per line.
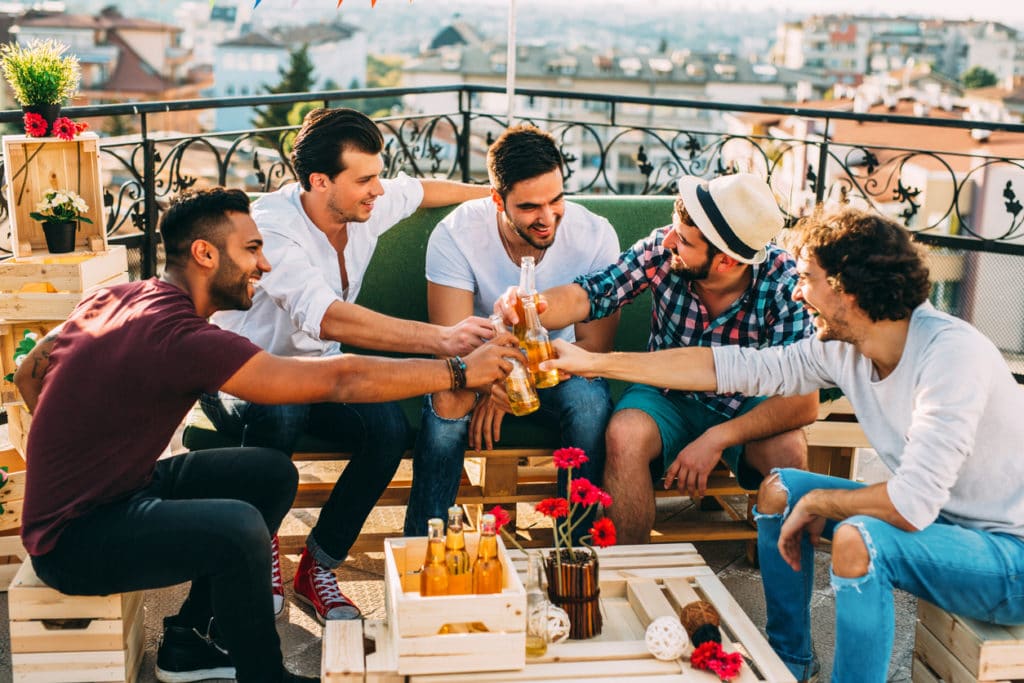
x=572, y=360
x=490, y=362
x=693, y=465
x=797, y=523
x=485, y=427
x=464, y=336
x=505, y=306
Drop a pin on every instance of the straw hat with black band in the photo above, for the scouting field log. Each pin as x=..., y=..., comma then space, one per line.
x=736, y=213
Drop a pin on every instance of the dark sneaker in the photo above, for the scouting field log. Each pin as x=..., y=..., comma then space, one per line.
x=276, y=582
x=317, y=586
x=187, y=655
x=289, y=677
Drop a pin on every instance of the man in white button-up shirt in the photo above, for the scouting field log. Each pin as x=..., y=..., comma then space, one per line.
x=320, y=234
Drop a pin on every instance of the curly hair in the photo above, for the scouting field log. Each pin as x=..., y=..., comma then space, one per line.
x=521, y=153
x=869, y=256
x=198, y=215
x=325, y=134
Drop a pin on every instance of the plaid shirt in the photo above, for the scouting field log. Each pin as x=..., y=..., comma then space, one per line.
x=765, y=315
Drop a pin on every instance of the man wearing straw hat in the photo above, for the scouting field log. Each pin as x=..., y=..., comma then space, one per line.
x=715, y=280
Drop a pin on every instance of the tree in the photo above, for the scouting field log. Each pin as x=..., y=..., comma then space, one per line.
x=297, y=77
x=978, y=77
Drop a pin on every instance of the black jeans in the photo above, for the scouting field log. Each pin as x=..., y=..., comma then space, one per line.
x=206, y=517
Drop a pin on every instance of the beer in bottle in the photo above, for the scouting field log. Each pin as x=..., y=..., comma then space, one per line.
x=537, y=345
x=522, y=395
x=487, y=576
x=527, y=292
x=434, y=575
x=456, y=558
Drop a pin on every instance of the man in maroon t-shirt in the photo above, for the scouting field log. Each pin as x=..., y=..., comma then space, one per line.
x=108, y=388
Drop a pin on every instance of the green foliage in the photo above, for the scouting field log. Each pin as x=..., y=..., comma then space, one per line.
x=978, y=77
x=61, y=206
x=40, y=73
x=381, y=72
x=297, y=78
x=25, y=345
x=299, y=110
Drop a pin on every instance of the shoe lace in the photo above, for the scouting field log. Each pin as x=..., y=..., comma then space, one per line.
x=326, y=585
x=276, y=582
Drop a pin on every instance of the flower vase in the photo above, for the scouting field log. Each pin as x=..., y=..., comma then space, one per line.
x=60, y=236
x=573, y=585
x=49, y=112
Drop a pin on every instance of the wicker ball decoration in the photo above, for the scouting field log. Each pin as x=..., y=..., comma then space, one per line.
x=666, y=639
x=558, y=624
x=696, y=614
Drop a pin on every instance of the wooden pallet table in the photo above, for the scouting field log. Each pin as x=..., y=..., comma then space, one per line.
x=956, y=649
x=638, y=584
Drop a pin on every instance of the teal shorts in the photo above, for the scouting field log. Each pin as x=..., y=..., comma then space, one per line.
x=681, y=419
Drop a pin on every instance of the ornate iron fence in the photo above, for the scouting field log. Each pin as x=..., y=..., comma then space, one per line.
x=960, y=199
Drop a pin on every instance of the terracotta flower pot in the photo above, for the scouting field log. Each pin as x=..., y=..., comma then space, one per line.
x=49, y=112
x=60, y=236
x=573, y=585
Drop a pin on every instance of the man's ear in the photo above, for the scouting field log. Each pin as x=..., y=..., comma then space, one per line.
x=498, y=201
x=205, y=254
x=726, y=262
x=318, y=181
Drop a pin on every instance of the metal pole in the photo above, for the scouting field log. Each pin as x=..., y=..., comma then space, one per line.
x=464, y=138
x=150, y=214
x=819, y=189
x=510, y=63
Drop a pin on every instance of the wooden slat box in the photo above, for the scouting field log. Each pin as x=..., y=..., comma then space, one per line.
x=75, y=272
x=36, y=305
x=12, y=497
x=35, y=165
x=19, y=421
x=416, y=620
x=57, y=638
x=956, y=649
x=638, y=584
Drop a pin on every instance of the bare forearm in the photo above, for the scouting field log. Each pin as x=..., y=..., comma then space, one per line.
x=688, y=369
x=355, y=325
x=446, y=192
x=566, y=305
x=840, y=504
x=368, y=379
x=29, y=376
x=773, y=416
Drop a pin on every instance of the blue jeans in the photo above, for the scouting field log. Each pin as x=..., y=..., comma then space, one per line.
x=580, y=407
x=375, y=433
x=968, y=572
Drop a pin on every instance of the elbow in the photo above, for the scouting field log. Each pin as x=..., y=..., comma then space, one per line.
x=809, y=409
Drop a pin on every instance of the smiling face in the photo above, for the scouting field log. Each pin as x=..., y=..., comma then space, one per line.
x=833, y=313
x=352, y=193
x=689, y=249
x=240, y=266
x=534, y=208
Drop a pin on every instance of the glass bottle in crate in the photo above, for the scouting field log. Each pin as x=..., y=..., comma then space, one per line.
x=527, y=292
x=487, y=570
x=456, y=558
x=522, y=395
x=536, y=607
x=434, y=575
x=537, y=345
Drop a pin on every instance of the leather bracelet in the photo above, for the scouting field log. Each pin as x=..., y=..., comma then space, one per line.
x=451, y=373
x=458, y=369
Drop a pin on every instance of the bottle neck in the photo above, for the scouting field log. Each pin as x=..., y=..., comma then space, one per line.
x=435, y=551
x=532, y=318
x=488, y=549
x=527, y=276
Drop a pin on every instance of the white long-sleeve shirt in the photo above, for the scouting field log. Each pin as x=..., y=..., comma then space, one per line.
x=948, y=421
x=289, y=305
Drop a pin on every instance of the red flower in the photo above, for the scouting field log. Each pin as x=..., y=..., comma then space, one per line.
x=81, y=127
x=553, y=507
x=35, y=125
x=710, y=656
x=604, y=498
x=501, y=517
x=603, y=532
x=64, y=128
x=569, y=457
x=583, y=492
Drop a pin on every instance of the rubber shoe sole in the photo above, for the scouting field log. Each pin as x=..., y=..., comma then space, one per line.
x=196, y=675
x=306, y=601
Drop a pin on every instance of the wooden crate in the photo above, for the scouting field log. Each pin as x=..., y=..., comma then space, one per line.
x=416, y=620
x=638, y=584
x=956, y=649
x=12, y=496
x=60, y=638
x=35, y=165
x=11, y=334
x=35, y=305
x=75, y=272
x=19, y=420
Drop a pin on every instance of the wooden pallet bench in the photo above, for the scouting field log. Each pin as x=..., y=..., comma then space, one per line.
x=956, y=649
x=638, y=584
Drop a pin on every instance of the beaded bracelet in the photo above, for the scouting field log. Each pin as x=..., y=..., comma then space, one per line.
x=457, y=368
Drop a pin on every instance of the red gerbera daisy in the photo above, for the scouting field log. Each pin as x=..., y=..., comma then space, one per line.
x=553, y=507
x=64, y=128
x=603, y=532
x=569, y=457
x=35, y=125
x=81, y=127
x=501, y=517
x=583, y=492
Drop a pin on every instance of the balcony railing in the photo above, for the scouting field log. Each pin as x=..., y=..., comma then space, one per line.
x=959, y=198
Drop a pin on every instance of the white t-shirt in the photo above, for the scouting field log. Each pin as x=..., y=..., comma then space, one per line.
x=465, y=252
x=290, y=303
x=947, y=420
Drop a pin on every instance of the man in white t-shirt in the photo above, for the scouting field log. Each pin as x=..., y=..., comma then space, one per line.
x=319, y=235
x=472, y=257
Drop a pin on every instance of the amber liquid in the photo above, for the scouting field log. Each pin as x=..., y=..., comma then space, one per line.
x=537, y=351
x=519, y=329
x=521, y=395
x=487, y=572
x=536, y=646
x=434, y=575
x=457, y=561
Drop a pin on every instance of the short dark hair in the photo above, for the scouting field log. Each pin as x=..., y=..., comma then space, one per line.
x=198, y=215
x=325, y=134
x=869, y=256
x=679, y=209
x=520, y=153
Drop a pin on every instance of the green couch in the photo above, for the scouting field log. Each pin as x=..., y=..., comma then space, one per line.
x=395, y=284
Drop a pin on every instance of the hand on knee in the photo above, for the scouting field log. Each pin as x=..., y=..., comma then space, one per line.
x=850, y=558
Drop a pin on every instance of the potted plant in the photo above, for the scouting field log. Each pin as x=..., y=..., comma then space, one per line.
x=41, y=76
x=60, y=212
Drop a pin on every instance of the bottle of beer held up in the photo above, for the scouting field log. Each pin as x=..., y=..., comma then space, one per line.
x=527, y=292
x=537, y=344
x=522, y=395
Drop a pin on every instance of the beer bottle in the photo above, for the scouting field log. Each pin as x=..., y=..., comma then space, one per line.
x=456, y=558
x=522, y=395
x=434, y=575
x=487, y=576
x=527, y=292
x=537, y=345
x=536, y=607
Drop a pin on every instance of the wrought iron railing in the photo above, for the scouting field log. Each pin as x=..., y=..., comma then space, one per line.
x=960, y=199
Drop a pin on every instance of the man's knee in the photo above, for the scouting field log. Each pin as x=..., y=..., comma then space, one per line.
x=786, y=450
x=772, y=496
x=632, y=440
x=850, y=558
x=451, y=405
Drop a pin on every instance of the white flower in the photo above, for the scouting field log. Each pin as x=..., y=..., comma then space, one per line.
x=80, y=205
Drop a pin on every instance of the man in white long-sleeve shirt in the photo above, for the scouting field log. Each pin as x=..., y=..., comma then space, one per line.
x=937, y=402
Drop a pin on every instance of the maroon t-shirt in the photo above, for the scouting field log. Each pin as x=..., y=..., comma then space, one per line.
x=127, y=366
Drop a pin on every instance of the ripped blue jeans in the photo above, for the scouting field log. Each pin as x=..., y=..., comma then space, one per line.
x=969, y=572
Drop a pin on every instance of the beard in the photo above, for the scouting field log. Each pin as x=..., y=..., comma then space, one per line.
x=533, y=241
x=342, y=216
x=229, y=289
x=700, y=272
